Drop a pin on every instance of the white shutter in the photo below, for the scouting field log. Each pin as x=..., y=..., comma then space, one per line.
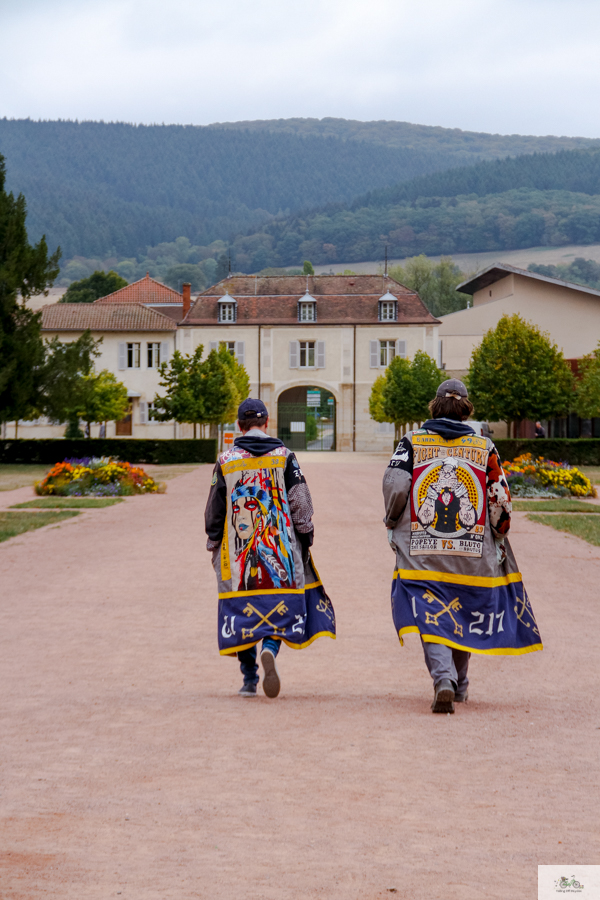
x=320, y=355
x=143, y=412
x=374, y=354
x=214, y=345
x=401, y=349
x=294, y=354
x=440, y=348
x=240, y=351
x=164, y=351
x=122, y=355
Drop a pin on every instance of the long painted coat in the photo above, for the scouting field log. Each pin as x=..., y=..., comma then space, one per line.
x=258, y=521
x=447, y=510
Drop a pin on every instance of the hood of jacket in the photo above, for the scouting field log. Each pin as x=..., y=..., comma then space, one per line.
x=257, y=443
x=449, y=429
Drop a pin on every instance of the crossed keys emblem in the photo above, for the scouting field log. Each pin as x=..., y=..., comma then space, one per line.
x=432, y=618
x=281, y=608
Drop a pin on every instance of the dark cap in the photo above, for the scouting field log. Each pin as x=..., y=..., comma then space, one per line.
x=452, y=388
x=252, y=409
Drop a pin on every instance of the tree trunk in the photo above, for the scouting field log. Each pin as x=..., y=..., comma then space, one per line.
x=195, y=430
x=16, y=429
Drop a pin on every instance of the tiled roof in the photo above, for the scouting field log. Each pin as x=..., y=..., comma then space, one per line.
x=341, y=300
x=317, y=285
x=104, y=317
x=146, y=290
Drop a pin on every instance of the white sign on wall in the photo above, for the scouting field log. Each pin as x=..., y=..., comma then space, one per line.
x=297, y=427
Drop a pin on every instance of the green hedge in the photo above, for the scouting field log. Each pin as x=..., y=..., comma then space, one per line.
x=48, y=452
x=576, y=451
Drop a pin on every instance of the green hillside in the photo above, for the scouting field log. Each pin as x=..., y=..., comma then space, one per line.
x=534, y=200
x=101, y=189
x=111, y=189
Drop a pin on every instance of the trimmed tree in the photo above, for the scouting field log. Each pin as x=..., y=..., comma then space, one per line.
x=517, y=373
x=67, y=380
x=402, y=394
x=87, y=290
x=587, y=397
x=25, y=271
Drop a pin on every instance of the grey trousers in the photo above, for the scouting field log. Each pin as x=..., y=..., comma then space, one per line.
x=446, y=662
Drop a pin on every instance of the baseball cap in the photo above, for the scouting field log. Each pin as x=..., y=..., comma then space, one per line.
x=452, y=388
x=252, y=409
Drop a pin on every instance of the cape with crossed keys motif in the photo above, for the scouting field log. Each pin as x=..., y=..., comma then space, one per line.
x=448, y=510
x=268, y=585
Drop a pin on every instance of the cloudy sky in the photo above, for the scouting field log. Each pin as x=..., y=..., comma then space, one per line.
x=507, y=66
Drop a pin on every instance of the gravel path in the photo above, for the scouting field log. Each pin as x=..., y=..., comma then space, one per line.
x=129, y=767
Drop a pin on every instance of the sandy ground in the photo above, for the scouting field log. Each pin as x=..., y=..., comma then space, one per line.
x=129, y=767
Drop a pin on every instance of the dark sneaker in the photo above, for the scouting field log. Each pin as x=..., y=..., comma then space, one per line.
x=443, y=701
x=461, y=697
x=247, y=690
x=271, y=682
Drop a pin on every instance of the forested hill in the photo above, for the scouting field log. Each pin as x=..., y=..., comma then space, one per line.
x=461, y=146
x=542, y=199
x=101, y=189
x=575, y=170
x=111, y=190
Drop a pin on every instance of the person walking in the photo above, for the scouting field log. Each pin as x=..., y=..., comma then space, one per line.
x=259, y=525
x=539, y=430
x=456, y=582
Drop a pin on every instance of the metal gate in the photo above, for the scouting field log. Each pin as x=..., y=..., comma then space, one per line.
x=306, y=419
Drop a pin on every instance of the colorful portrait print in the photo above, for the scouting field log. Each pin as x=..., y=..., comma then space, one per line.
x=447, y=508
x=261, y=521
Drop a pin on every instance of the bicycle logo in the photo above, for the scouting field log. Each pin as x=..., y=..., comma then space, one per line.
x=568, y=885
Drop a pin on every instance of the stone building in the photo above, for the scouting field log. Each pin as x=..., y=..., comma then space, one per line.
x=313, y=347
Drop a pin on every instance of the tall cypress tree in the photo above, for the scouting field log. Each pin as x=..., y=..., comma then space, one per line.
x=25, y=270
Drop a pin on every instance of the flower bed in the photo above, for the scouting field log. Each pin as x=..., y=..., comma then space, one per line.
x=530, y=476
x=103, y=477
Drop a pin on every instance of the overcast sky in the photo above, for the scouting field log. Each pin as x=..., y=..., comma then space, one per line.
x=507, y=66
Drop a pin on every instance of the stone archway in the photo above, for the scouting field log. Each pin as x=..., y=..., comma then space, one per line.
x=306, y=418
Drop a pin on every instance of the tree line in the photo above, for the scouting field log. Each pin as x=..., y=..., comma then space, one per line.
x=516, y=373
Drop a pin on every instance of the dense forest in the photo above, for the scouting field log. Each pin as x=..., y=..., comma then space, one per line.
x=101, y=189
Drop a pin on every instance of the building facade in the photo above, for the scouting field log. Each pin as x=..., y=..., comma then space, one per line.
x=312, y=346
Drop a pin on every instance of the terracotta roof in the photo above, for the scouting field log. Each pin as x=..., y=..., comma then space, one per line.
x=283, y=310
x=498, y=271
x=146, y=290
x=104, y=317
x=318, y=285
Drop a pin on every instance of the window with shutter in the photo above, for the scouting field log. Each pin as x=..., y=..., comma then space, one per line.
x=401, y=351
x=294, y=354
x=143, y=412
x=122, y=355
x=240, y=351
x=214, y=345
x=164, y=351
x=374, y=354
x=320, y=355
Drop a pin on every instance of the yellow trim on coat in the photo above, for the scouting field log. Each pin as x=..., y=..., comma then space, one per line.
x=253, y=463
x=494, y=651
x=267, y=592
x=452, y=578
x=233, y=650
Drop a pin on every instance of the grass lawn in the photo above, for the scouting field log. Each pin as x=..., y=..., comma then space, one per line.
x=592, y=472
x=586, y=527
x=68, y=503
x=565, y=505
x=14, y=523
x=18, y=476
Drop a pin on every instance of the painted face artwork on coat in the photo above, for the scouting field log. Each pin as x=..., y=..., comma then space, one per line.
x=261, y=521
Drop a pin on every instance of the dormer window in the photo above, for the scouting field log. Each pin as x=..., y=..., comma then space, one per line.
x=227, y=309
x=307, y=309
x=388, y=308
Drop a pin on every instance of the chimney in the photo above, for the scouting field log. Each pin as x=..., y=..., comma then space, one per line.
x=187, y=298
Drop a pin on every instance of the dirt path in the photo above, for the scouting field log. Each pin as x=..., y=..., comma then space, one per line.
x=129, y=767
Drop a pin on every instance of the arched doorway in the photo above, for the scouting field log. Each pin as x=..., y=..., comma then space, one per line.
x=306, y=418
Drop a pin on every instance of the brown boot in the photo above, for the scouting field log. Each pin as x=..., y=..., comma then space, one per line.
x=443, y=702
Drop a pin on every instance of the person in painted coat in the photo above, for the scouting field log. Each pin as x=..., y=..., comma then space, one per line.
x=259, y=525
x=456, y=582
